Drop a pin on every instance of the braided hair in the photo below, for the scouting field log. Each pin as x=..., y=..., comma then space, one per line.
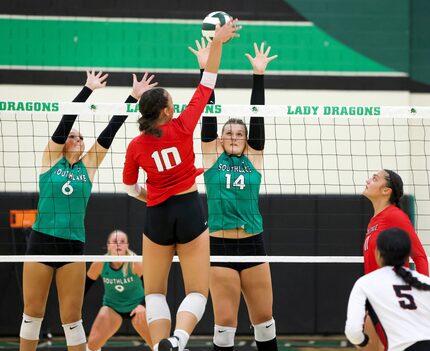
x=394, y=246
x=395, y=183
x=151, y=104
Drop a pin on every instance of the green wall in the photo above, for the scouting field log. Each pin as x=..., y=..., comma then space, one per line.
x=383, y=37
x=124, y=45
x=394, y=33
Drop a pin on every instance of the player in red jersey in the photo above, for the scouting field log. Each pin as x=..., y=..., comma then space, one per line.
x=385, y=189
x=174, y=215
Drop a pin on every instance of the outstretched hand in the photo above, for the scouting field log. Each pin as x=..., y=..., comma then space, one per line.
x=227, y=31
x=202, y=52
x=261, y=59
x=139, y=87
x=96, y=81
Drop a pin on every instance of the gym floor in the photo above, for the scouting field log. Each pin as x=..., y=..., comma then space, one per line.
x=203, y=343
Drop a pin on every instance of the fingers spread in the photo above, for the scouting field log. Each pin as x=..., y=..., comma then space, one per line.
x=262, y=47
x=272, y=58
x=104, y=77
x=192, y=50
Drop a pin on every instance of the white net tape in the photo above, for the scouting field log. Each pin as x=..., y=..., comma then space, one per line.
x=41, y=107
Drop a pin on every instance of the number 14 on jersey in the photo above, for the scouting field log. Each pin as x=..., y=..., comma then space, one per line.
x=239, y=182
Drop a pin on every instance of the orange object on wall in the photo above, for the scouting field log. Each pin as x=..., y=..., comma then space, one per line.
x=22, y=218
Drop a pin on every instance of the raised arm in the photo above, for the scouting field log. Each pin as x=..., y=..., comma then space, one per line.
x=98, y=151
x=191, y=115
x=209, y=131
x=222, y=35
x=259, y=64
x=54, y=149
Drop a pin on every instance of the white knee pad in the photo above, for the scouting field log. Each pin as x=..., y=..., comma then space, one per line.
x=265, y=331
x=224, y=336
x=156, y=308
x=30, y=327
x=74, y=333
x=194, y=303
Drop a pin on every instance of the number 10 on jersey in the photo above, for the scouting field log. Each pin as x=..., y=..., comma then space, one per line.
x=163, y=162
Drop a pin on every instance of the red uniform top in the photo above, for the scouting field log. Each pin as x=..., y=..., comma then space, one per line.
x=392, y=217
x=168, y=161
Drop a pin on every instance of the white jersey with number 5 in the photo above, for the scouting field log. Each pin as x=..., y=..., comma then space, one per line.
x=403, y=311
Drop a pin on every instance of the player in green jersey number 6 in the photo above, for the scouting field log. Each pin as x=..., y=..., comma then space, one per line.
x=65, y=185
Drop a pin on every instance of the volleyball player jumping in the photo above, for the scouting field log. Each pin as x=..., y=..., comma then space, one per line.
x=174, y=215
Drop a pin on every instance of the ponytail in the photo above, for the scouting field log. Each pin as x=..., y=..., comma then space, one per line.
x=407, y=276
x=126, y=265
x=395, y=183
x=394, y=246
x=151, y=104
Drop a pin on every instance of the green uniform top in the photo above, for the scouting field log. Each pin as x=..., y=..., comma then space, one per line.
x=63, y=196
x=122, y=292
x=232, y=187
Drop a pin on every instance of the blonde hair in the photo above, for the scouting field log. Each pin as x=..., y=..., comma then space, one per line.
x=128, y=252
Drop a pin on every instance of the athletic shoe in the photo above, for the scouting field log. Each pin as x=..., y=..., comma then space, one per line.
x=170, y=344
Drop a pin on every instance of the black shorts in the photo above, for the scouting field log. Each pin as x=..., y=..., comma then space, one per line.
x=251, y=246
x=180, y=219
x=420, y=346
x=44, y=244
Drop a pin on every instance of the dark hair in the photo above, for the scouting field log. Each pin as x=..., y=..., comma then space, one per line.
x=394, y=245
x=150, y=105
x=235, y=121
x=395, y=183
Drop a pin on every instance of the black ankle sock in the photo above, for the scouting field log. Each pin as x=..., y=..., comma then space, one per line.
x=270, y=345
x=219, y=348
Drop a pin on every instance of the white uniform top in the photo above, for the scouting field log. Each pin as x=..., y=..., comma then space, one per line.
x=403, y=312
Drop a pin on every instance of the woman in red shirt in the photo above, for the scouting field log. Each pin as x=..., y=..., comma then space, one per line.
x=174, y=216
x=385, y=189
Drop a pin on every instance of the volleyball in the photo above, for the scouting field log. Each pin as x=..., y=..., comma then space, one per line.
x=210, y=22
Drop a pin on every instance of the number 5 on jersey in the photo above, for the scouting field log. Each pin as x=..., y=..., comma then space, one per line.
x=164, y=163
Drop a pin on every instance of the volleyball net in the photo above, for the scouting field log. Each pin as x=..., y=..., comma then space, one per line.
x=317, y=159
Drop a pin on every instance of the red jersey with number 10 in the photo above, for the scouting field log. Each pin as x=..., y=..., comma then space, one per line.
x=169, y=160
x=392, y=217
